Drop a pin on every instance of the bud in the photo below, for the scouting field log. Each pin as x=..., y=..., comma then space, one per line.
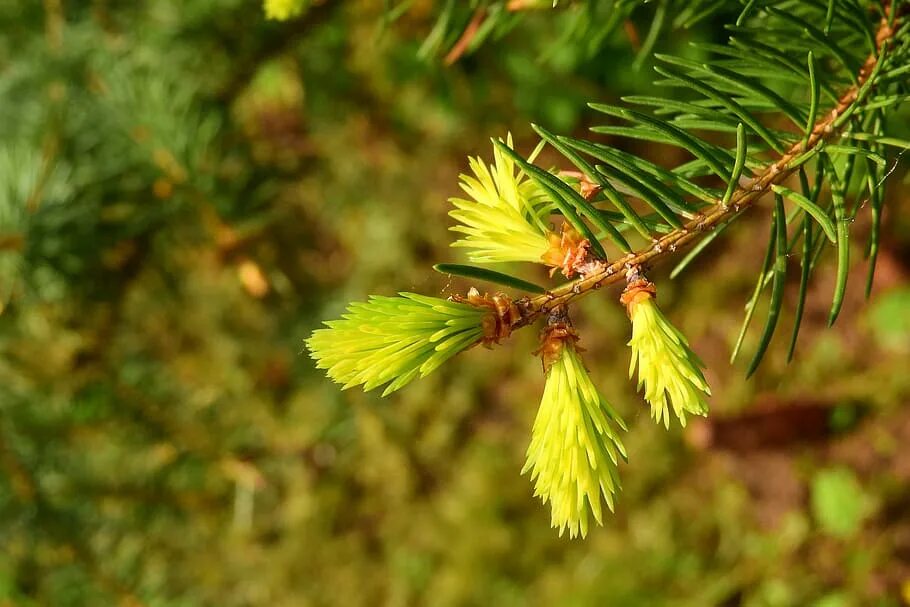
x=669, y=371
x=571, y=254
x=575, y=446
x=505, y=215
x=396, y=339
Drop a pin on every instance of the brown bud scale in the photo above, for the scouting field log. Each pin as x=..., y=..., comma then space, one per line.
x=554, y=336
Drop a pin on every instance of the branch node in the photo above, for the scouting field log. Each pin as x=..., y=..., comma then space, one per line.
x=504, y=314
x=637, y=290
x=553, y=337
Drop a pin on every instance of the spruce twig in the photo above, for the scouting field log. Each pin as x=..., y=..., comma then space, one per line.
x=826, y=129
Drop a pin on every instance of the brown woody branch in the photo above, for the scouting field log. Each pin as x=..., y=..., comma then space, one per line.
x=470, y=32
x=467, y=37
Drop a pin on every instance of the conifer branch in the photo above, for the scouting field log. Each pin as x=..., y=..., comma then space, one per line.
x=826, y=129
x=504, y=216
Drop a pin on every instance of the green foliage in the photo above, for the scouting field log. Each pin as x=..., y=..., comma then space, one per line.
x=394, y=339
x=889, y=318
x=491, y=276
x=503, y=219
x=668, y=370
x=575, y=446
x=838, y=502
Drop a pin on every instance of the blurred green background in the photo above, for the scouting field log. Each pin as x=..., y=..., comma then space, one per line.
x=187, y=190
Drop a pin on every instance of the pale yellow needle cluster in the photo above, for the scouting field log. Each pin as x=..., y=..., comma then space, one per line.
x=504, y=215
x=282, y=10
x=575, y=446
x=394, y=339
x=669, y=370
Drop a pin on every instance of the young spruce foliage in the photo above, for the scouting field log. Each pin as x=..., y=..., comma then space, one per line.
x=667, y=368
x=394, y=339
x=506, y=215
x=575, y=447
x=792, y=110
